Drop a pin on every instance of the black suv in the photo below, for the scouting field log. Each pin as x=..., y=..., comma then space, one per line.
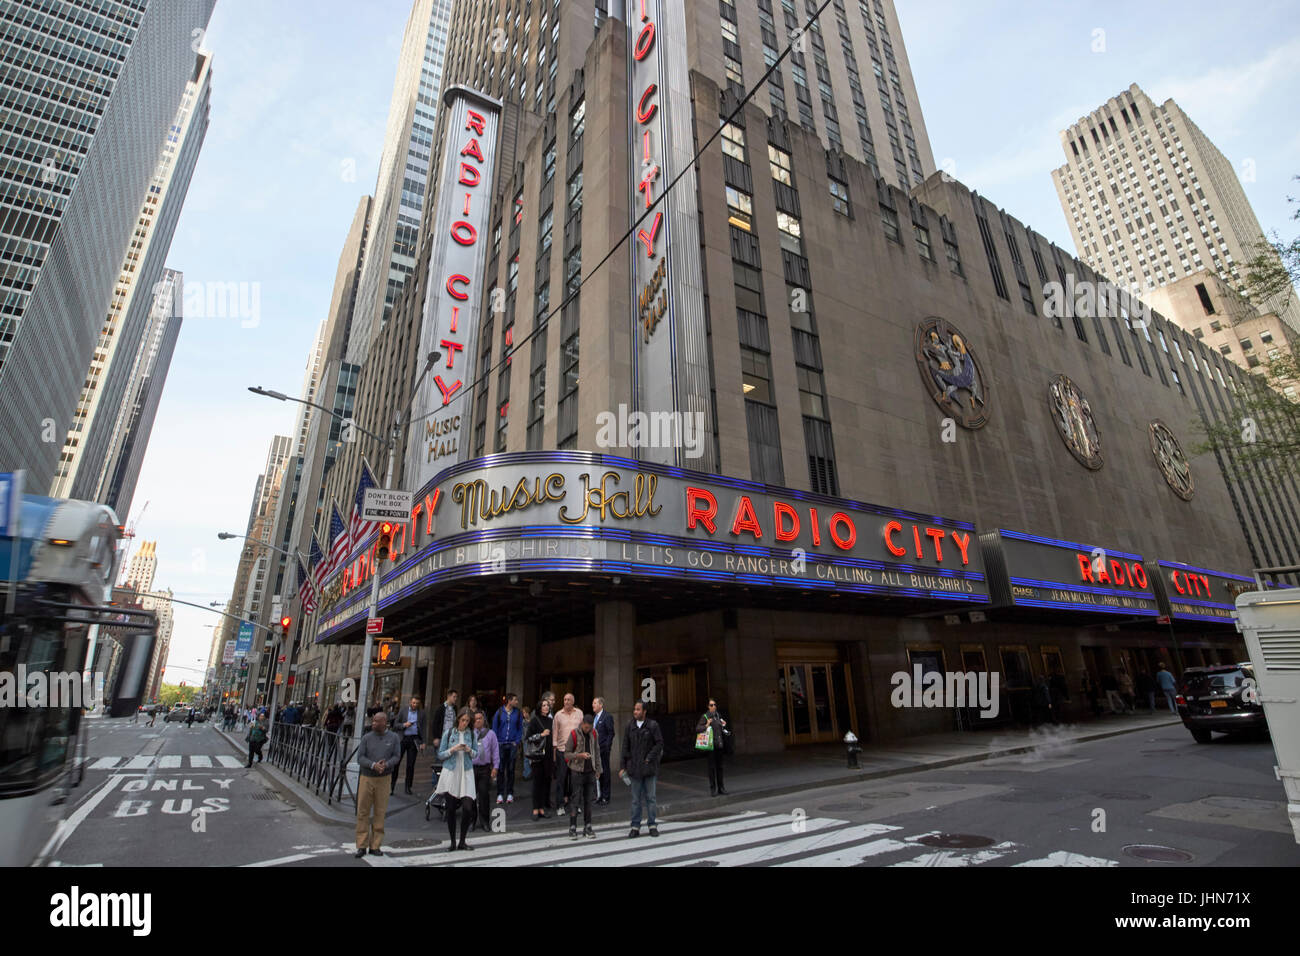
x=1214, y=698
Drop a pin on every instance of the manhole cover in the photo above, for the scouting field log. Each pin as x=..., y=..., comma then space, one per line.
x=839, y=807
x=884, y=795
x=955, y=841
x=1158, y=854
x=1124, y=795
x=938, y=788
x=264, y=795
x=1239, y=803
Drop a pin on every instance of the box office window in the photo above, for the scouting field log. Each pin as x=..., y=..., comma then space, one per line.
x=1016, y=672
x=931, y=659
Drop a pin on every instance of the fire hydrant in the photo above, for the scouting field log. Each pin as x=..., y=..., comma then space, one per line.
x=851, y=745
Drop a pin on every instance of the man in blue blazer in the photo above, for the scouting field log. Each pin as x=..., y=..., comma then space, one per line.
x=603, y=725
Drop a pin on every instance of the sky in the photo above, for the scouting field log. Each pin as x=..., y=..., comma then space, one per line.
x=300, y=98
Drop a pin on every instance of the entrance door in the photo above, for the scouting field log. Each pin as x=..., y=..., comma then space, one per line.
x=817, y=701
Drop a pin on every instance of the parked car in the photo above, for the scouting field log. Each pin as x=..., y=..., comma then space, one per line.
x=183, y=713
x=1213, y=698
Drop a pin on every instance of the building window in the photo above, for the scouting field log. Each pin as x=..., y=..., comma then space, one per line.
x=840, y=198
x=548, y=163
x=733, y=141
x=954, y=256
x=577, y=121
x=756, y=375
x=889, y=219
x=923, y=241
x=1246, y=345
x=791, y=233
x=740, y=209
x=1266, y=336
x=812, y=393
x=780, y=164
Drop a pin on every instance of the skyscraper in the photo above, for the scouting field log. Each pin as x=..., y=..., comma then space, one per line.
x=84, y=467
x=403, y=171
x=144, y=563
x=135, y=417
x=1150, y=199
x=92, y=89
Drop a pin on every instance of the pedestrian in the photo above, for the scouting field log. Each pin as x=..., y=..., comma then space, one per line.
x=1168, y=686
x=456, y=782
x=582, y=754
x=487, y=766
x=713, y=721
x=567, y=719
x=379, y=750
x=153, y=714
x=1089, y=689
x=447, y=718
x=472, y=704
x=410, y=727
x=1146, y=690
x=1125, y=682
x=508, y=726
x=256, y=738
x=603, y=724
x=525, y=716
x=643, y=747
x=189, y=720
x=542, y=756
x=334, y=719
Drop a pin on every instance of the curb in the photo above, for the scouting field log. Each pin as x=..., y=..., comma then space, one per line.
x=690, y=805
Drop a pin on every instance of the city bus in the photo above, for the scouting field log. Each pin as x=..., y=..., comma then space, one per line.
x=56, y=577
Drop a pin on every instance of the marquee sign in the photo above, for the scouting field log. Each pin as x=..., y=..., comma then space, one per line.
x=670, y=361
x=454, y=288
x=1026, y=570
x=563, y=511
x=1190, y=593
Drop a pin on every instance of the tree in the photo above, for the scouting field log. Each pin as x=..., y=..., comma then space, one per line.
x=1267, y=431
x=1274, y=267
x=171, y=694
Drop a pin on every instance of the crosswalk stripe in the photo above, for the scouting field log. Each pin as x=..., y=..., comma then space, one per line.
x=959, y=857
x=200, y=762
x=851, y=855
x=170, y=762
x=164, y=762
x=669, y=845
x=104, y=763
x=228, y=761
x=138, y=763
x=806, y=842
x=1065, y=858
x=284, y=859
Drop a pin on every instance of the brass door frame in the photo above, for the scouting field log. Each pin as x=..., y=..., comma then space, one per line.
x=834, y=732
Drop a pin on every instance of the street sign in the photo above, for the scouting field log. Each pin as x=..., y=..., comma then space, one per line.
x=387, y=504
x=388, y=652
x=1163, y=619
x=375, y=625
x=228, y=653
x=245, y=641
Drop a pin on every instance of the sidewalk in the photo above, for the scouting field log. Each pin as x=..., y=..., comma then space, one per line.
x=683, y=785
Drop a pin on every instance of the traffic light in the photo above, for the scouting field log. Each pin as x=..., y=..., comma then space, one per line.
x=385, y=545
x=388, y=652
x=284, y=625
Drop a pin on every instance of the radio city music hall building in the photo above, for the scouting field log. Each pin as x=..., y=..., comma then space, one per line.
x=903, y=461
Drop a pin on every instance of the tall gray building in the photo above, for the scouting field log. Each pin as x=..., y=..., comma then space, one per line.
x=130, y=435
x=1151, y=200
x=90, y=90
x=403, y=172
x=85, y=466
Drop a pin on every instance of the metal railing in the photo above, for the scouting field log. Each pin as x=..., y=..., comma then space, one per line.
x=314, y=757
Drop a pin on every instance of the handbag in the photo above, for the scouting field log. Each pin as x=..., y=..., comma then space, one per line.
x=704, y=739
x=535, y=748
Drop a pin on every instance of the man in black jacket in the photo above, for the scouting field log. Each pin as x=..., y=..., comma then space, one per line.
x=643, y=746
x=603, y=724
x=410, y=726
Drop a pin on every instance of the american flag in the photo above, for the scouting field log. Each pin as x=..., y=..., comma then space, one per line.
x=338, y=542
x=359, y=530
x=314, y=557
x=306, y=590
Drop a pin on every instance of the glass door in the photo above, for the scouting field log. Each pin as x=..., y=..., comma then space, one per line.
x=817, y=701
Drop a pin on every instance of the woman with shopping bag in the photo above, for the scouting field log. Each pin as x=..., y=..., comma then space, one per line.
x=712, y=738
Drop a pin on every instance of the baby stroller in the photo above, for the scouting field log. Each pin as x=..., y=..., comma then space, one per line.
x=436, y=801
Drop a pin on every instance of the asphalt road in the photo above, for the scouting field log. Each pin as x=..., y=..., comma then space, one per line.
x=172, y=796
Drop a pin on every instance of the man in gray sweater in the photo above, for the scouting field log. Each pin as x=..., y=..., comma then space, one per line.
x=378, y=754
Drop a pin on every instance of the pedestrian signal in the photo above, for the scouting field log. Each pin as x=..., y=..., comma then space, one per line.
x=388, y=652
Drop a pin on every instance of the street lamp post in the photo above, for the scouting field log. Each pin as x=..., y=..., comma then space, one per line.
x=399, y=423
